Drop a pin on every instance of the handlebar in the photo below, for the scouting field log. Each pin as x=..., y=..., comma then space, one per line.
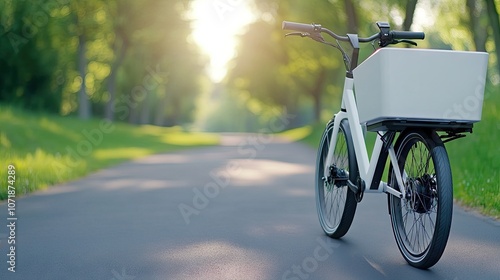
x=385, y=35
x=310, y=28
x=408, y=35
x=300, y=27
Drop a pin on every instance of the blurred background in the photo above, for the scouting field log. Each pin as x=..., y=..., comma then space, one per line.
x=204, y=65
x=220, y=65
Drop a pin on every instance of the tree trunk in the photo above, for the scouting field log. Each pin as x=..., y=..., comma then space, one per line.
x=134, y=110
x=163, y=102
x=411, y=5
x=172, y=118
x=495, y=25
x=111, y=83
x=83, y=100
x=145, y=114
x=110, y=106
x=479, y=31
x=316, y=93
x=352, y=16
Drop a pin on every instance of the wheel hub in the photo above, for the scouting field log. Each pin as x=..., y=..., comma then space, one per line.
x=337, y=177
x=421, y=192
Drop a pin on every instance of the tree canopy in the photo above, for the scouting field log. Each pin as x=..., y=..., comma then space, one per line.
x=135, y=61
x=295, y=72
x=119, y=59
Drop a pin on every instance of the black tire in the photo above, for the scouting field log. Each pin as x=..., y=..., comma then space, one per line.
x=336, y=204
x=421, y=223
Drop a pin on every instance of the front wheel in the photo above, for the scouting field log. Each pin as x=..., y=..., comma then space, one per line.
x=421, y=221
x=335, y=202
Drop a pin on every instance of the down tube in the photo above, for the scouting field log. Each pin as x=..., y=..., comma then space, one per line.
x=356, y=129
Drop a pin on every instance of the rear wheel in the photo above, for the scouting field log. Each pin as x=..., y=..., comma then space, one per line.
x=335, y=202
x=421, y=221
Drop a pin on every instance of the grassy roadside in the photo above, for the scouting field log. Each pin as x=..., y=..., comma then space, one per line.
x=475, y=160
x=47, y=150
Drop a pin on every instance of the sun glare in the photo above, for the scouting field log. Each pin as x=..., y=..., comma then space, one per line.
x=216, y=25
x=424, y=17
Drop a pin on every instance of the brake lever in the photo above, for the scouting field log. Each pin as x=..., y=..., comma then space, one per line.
x=316, y=36
x=406, y=41
x=298, y=34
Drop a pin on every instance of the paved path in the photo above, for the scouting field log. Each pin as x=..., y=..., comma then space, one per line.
x=242, y=210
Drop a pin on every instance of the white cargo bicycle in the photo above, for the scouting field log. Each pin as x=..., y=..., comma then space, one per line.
x=421, y=99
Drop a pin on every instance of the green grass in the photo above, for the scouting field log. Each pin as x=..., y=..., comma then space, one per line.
x=475, y=160
x=48, y=150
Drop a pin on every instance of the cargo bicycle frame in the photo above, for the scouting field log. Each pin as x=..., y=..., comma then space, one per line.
x=420, y=185
x=369, y=173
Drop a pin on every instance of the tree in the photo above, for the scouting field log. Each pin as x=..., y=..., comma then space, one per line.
x=155, y=66
x=411, y=5
x=92, y=57
x=289, y=72
x=119, y=45
x=85, y=26
x=29, y=49
x=478, y=26
x=119, y=49
x=352, y=16
x=83, y=100
x=495, y=26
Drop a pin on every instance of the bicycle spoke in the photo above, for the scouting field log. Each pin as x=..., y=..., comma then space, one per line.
x=418, y=210
x=335, y=202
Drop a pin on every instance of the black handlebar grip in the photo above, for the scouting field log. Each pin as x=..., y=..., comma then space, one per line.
x=301, y=27
x=410, y=35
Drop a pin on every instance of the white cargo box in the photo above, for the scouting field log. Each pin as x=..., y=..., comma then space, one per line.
x=421, y=85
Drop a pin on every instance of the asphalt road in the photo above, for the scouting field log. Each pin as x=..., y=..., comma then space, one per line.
x=242, y=210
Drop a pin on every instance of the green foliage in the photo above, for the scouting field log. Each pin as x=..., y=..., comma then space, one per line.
x=289, y=72
x=280, y=72
x=156, y=32
x=48, y=149
x=27, y=30
x=118, y=41
x=218, y=105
